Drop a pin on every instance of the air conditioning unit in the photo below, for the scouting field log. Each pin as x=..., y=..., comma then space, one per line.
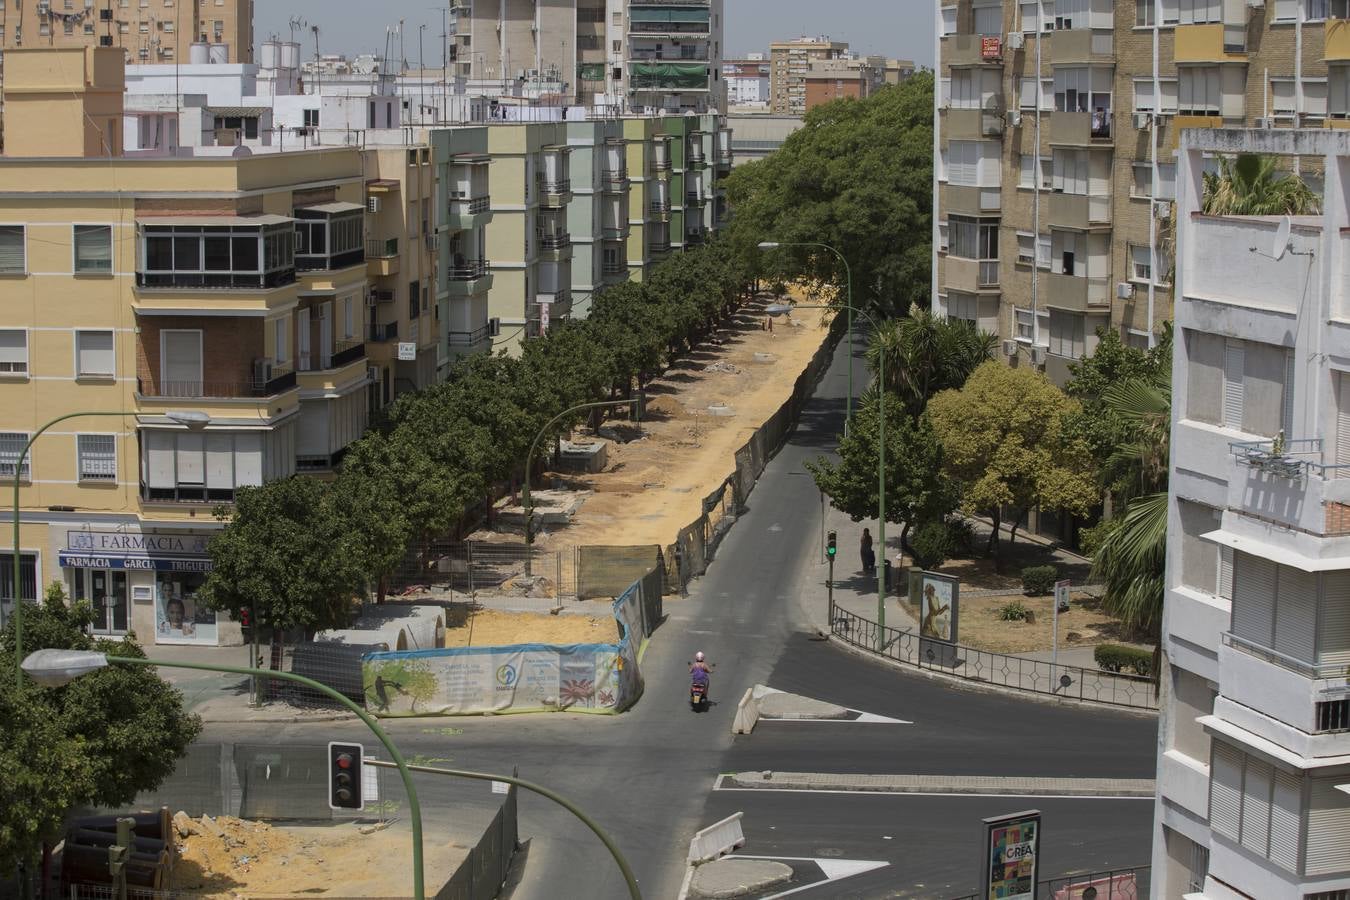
x=1015, y=40
x=1162, y=210
x=1265, y=122
x=494, y=327
x=44, y=8
x=1124, y=290
x=1010, y=348
x=262, y=371
x=1014, y=118
x=372, y=204
x=1142, y=121
x=1038, y=356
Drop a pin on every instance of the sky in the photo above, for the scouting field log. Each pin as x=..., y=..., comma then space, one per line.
x=895, y=28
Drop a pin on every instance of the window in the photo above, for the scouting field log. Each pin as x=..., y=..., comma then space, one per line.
x=1145, y=102
x=1031, y=14
x=311, y=118
x=11, y=445
x=1338, y=91
x=963, y=307
x=1026, y=248
x=973, y=88
x=948, y=24
x=200, y=466
x=1024, y=325
x=1083, y=89
x=13, y=351
x=94, y=354
x=1066, y=334
x=1198, y=12
x=98, y=457
x=228, y=255
x=1071, y=171
x=1143, y=14
x=1314, y=10
x=27, y=575
x=1198, y=90
x=414, y=297
x=1043, y=251
x=1026, y=170
x=942, y=237
x=1141, y=263
x=93, y=248
x=11, y=249
x=1239, y=384
x=973, y=238
x=328, y=240
x=1258, y=805
x=988, y=19
x=280, y=348
x=973, y=163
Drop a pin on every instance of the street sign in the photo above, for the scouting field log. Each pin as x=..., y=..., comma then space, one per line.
x=1062, y=596
x=407, y=351
x=1012, y=846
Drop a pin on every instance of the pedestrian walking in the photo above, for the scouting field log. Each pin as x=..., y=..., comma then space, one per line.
x=869, y=557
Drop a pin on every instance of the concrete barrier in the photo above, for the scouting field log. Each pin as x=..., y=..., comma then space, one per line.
x=717, y=840
x=747, y=714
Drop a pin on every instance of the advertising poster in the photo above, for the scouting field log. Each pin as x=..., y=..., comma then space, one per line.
x=937, y=607
x=1012, y=844
x=179, y=618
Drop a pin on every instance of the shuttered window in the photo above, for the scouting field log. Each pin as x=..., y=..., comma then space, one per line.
x=93, y=248
x=1333, y=621
x=1296, y=614
x=1226, y=573
x=1225, y=791
x=11, y=249
x=13, y=351
x=1254, y=599
x=1256, y=786
x=1328, y=827
x=1205, y=385
x=1343, y=423
x=1232, y=383
x=94, y=353
x=1286, y=820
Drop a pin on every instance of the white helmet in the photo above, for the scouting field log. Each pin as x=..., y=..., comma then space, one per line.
x=698, y=657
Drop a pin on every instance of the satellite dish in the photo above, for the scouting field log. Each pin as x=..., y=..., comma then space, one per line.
x=1282, y=241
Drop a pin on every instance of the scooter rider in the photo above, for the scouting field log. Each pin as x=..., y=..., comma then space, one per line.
x=700, y=666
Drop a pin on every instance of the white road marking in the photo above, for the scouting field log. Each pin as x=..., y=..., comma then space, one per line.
x=865, y=718
x=966, y=794
x=834, y=869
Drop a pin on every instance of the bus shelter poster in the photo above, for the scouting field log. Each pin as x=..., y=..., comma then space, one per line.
x=1012, y=844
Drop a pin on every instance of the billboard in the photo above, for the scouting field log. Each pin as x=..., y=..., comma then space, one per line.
x=1012, y=846
x=938, y=598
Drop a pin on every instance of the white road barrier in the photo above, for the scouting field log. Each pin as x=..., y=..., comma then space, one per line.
x=717, y=840
x=747, y=714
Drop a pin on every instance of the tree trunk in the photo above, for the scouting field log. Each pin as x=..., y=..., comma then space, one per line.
x=44, y=889
x=904, y=539
x=275, y=664
x=1017, y=520
x=992, y=547
x=381, y=588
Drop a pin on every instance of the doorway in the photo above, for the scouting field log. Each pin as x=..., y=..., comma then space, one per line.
x=106, y=590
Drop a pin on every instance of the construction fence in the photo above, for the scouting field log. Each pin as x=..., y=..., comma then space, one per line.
x=696, y=543
x=481, y=875
x=465, y=570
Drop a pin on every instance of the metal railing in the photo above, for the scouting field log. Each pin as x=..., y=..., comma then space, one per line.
x=1274, y=657
x=468, y=271
x=246, y=281
x=1111, y=884
x=469, y=338
x=556, y=187
x=382, y=333
x=283, y=379
x=557, y=240
x=1004, y=670
x=347, y=351
x=387, y=249
x=1292, y=458
x=465, y=206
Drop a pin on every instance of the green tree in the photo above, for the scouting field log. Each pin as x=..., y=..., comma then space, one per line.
x=1004, y=442
x=377, y=522
x=856, y=176
x=98, y=741
x=926, y=354
x=286, y=551
x=1251, y=184
x=917, y=491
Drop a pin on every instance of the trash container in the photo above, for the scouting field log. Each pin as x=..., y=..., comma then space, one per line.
x=888, y=580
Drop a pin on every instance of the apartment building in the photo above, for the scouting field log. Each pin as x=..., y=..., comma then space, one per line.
x=747, y=83
x=463, y=211
x=788, y=65
x=625, y=54
x=1253, y=788
x=149, y=32
x=210, y=315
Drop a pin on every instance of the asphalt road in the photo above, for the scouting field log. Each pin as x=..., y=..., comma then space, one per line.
x=647, y=775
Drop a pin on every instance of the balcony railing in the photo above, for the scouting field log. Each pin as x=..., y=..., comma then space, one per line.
x=256, y=281
x=558, y=240
x=347, y=352
x=470, y=207
x=282, y=380
x=380, y=334
x=467, y=270
x=1274, y=657
x=661, y=164
x=660, y=245
x=616, y=180
x=659, y=206
x=325, y=263
x=614, y=268
x=613, y=232
x=556, y=187
x=668, y=28
x=469, y=338
x=1293, y=459
x=186, y=493
x=376, y=249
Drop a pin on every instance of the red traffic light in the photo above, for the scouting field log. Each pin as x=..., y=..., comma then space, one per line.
x=344, y=761
x=344, y=776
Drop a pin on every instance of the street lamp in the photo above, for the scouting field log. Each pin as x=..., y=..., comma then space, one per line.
x=190, y=419
x=774, y=245
x=54, y=668
x=779, y=309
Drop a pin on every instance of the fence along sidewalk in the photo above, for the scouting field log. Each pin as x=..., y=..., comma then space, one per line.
x=1001, y=669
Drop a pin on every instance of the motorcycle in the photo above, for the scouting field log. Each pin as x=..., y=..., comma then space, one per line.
x=698, y=690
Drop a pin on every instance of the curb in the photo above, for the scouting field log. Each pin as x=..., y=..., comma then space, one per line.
x=988, y=687
x=218, y=718
x=1141, y=792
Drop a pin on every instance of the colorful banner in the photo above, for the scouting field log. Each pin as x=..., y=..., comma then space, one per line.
x=1012, y=845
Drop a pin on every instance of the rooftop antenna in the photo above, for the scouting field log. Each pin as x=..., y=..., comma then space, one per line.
x=318, y=65
x=296, y=24
x=1284, y=243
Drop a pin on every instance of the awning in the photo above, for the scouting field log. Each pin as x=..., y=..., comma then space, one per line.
x=1281, y=555
x=215, y=220
x=69, y=560
x=243, y=111
x=1269, y=748
x=332, y=209
x=382, y=185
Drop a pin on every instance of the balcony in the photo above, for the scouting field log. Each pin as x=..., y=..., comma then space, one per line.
x=694, y=198
x=283, y=379
x=615, y=271
x=468, y=277
x=1079, y=211
x=555, y=194
x=465, y=213
x=959, y=199
x=974, y=124
x=659, y=211
x=382, y=257
x=696, y=159
x=659, y=247
x=615, y=232
x=971, y=50
x=1077, y=292
x=1337, y=40
x=555, y=245
x=383, y=334
x=614, y=182
x=970, y=275
x=1080, y=128
x=347, y=352
x=1211, y=43
x=347, y=363
x=466, y=339
x=1084, y=45
x=661, y=157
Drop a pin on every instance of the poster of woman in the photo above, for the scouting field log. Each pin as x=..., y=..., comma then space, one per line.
x=179, y=619
x=937, y=607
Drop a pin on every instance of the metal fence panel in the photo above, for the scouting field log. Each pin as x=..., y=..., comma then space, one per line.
x=471, y=567
x=481, y=874
x=1031, y=675
x=334, y=665
x=608, y=571
x=1112, y=884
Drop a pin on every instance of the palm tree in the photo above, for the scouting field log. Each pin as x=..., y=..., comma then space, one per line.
x=1131, y=559
x=1251, y=184
x=926, y=354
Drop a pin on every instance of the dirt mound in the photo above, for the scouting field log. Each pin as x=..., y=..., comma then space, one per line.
x=493, y=628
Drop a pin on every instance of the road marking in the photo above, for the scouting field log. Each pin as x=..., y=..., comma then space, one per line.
x=940, y=786
x=833, y=869
x=858, y=715
x=967, y=795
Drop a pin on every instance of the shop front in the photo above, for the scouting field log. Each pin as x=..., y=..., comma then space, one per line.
x=145, y=584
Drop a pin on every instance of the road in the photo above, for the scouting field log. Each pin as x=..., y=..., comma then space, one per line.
x=647, y=775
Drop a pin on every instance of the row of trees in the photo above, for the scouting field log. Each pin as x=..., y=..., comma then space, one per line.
x=295, y=552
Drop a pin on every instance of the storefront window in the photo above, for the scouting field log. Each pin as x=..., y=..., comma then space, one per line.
x=179, y=618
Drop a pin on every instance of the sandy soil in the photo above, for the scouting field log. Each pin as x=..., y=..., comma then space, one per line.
x=258, y=860
x=1084, y=625
x=653, y=487
x=489, y=628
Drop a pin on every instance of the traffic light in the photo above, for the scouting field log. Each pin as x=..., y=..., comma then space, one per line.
x=831, y=544
x=245, y=616
x=344, y=776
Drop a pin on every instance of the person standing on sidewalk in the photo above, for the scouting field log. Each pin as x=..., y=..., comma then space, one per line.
x=869, y=557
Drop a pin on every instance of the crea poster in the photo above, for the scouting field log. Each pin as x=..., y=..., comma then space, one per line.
x=938, y=595
x=1013, y=844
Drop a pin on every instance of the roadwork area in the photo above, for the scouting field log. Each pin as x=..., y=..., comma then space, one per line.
x=493, y=628
x=699, y=413
x=234, y=858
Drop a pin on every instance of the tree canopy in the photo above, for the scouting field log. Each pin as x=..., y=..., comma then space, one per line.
x=1252, y=184
x=856, y=176
x=1005, y=445
x=925, y=354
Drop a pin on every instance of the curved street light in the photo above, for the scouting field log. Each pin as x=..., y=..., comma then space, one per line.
x=193, y=420
x=780, y=309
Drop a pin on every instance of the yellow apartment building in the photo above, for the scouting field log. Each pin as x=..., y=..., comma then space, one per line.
x=148, y=32
x=143, y=288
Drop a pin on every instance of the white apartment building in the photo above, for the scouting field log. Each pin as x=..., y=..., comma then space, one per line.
x=1253, y=797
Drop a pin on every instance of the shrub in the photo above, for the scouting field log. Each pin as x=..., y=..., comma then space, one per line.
x=962, y=535
x=1015, y=611
x=931, y=544
x=1119, y=658
x=1039, y=580
x=1090, y=539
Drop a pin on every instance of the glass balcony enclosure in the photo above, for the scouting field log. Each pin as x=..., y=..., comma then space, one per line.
x=329, y=236
x=216, y=252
